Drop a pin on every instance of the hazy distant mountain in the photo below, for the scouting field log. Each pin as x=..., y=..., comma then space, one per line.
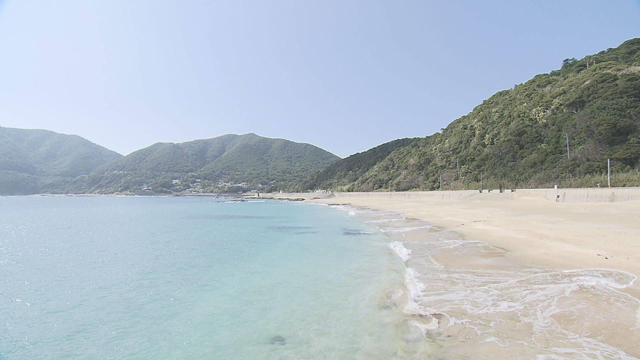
x=557, y=128
x=210, y=165
x=38, y=161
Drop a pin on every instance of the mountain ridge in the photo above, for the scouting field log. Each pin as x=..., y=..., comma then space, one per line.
x=518, y=137
x=230, y=158
x=36, y=160
x=557, y=128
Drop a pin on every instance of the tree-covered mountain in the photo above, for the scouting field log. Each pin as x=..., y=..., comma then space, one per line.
x=39, y=161
x=557, y=128
x=350, y=169
x=210, y=165
x=518, y=137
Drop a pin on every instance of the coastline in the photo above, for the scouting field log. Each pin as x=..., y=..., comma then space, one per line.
x=534, y=230
x=502, y=275
x=515, y=274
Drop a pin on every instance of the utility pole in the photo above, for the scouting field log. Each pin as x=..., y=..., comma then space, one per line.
x=567, y=135
x=441, y=181
x=481, y=187
x=609, y=172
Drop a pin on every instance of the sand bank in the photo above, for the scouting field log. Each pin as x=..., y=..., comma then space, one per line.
x=535, y=231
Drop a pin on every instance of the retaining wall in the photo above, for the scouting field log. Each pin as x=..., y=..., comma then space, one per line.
x=588, y=195
x=582, y=195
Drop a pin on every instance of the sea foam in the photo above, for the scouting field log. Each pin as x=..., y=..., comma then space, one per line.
x=401, y=250
x=460, y=289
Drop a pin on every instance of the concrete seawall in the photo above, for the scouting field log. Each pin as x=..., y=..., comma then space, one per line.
x=588, y=195
x=582, y=195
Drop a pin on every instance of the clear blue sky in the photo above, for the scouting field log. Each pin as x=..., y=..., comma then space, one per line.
x=342, y=75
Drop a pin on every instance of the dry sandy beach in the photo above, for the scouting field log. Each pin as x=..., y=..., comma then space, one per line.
x=533, y=229
x=542, y=286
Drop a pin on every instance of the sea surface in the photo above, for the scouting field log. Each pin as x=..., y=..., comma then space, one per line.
x=193, y=278
x=203, y=278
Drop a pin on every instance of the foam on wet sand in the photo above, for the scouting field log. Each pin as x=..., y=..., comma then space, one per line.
x=506, y=275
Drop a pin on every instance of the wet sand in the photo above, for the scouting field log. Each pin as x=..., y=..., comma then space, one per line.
x=518, y=275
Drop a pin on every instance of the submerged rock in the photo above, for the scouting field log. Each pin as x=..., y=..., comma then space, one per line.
x=278, y=340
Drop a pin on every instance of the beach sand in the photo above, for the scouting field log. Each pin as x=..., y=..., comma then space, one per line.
x=519, y=296
x=534, y=230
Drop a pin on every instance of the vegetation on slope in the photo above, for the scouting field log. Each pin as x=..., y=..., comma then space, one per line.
x=37, y=161
x=217, y=164
x=557, y=128
x=518, y=137
x=348, y=170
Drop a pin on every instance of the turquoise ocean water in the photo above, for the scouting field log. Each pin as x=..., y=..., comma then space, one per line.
x=192, y=278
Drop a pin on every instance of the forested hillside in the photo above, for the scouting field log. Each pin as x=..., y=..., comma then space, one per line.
x=518, y=137
x=38, y=161
x=557, y=128
x=350, y=169
x=217, y=164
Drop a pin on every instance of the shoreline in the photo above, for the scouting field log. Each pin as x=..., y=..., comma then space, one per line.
x=499, y=271
x=505, y=275
x=535, y=231
x=533, y=228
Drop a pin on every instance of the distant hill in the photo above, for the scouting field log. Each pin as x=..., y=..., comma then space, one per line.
x=557, y=128
x=518, y=137
x=216, y=164
x=39, y=161
x=350, y=169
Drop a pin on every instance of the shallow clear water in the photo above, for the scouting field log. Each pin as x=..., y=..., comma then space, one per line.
x=148, y=278
x=152, y=278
